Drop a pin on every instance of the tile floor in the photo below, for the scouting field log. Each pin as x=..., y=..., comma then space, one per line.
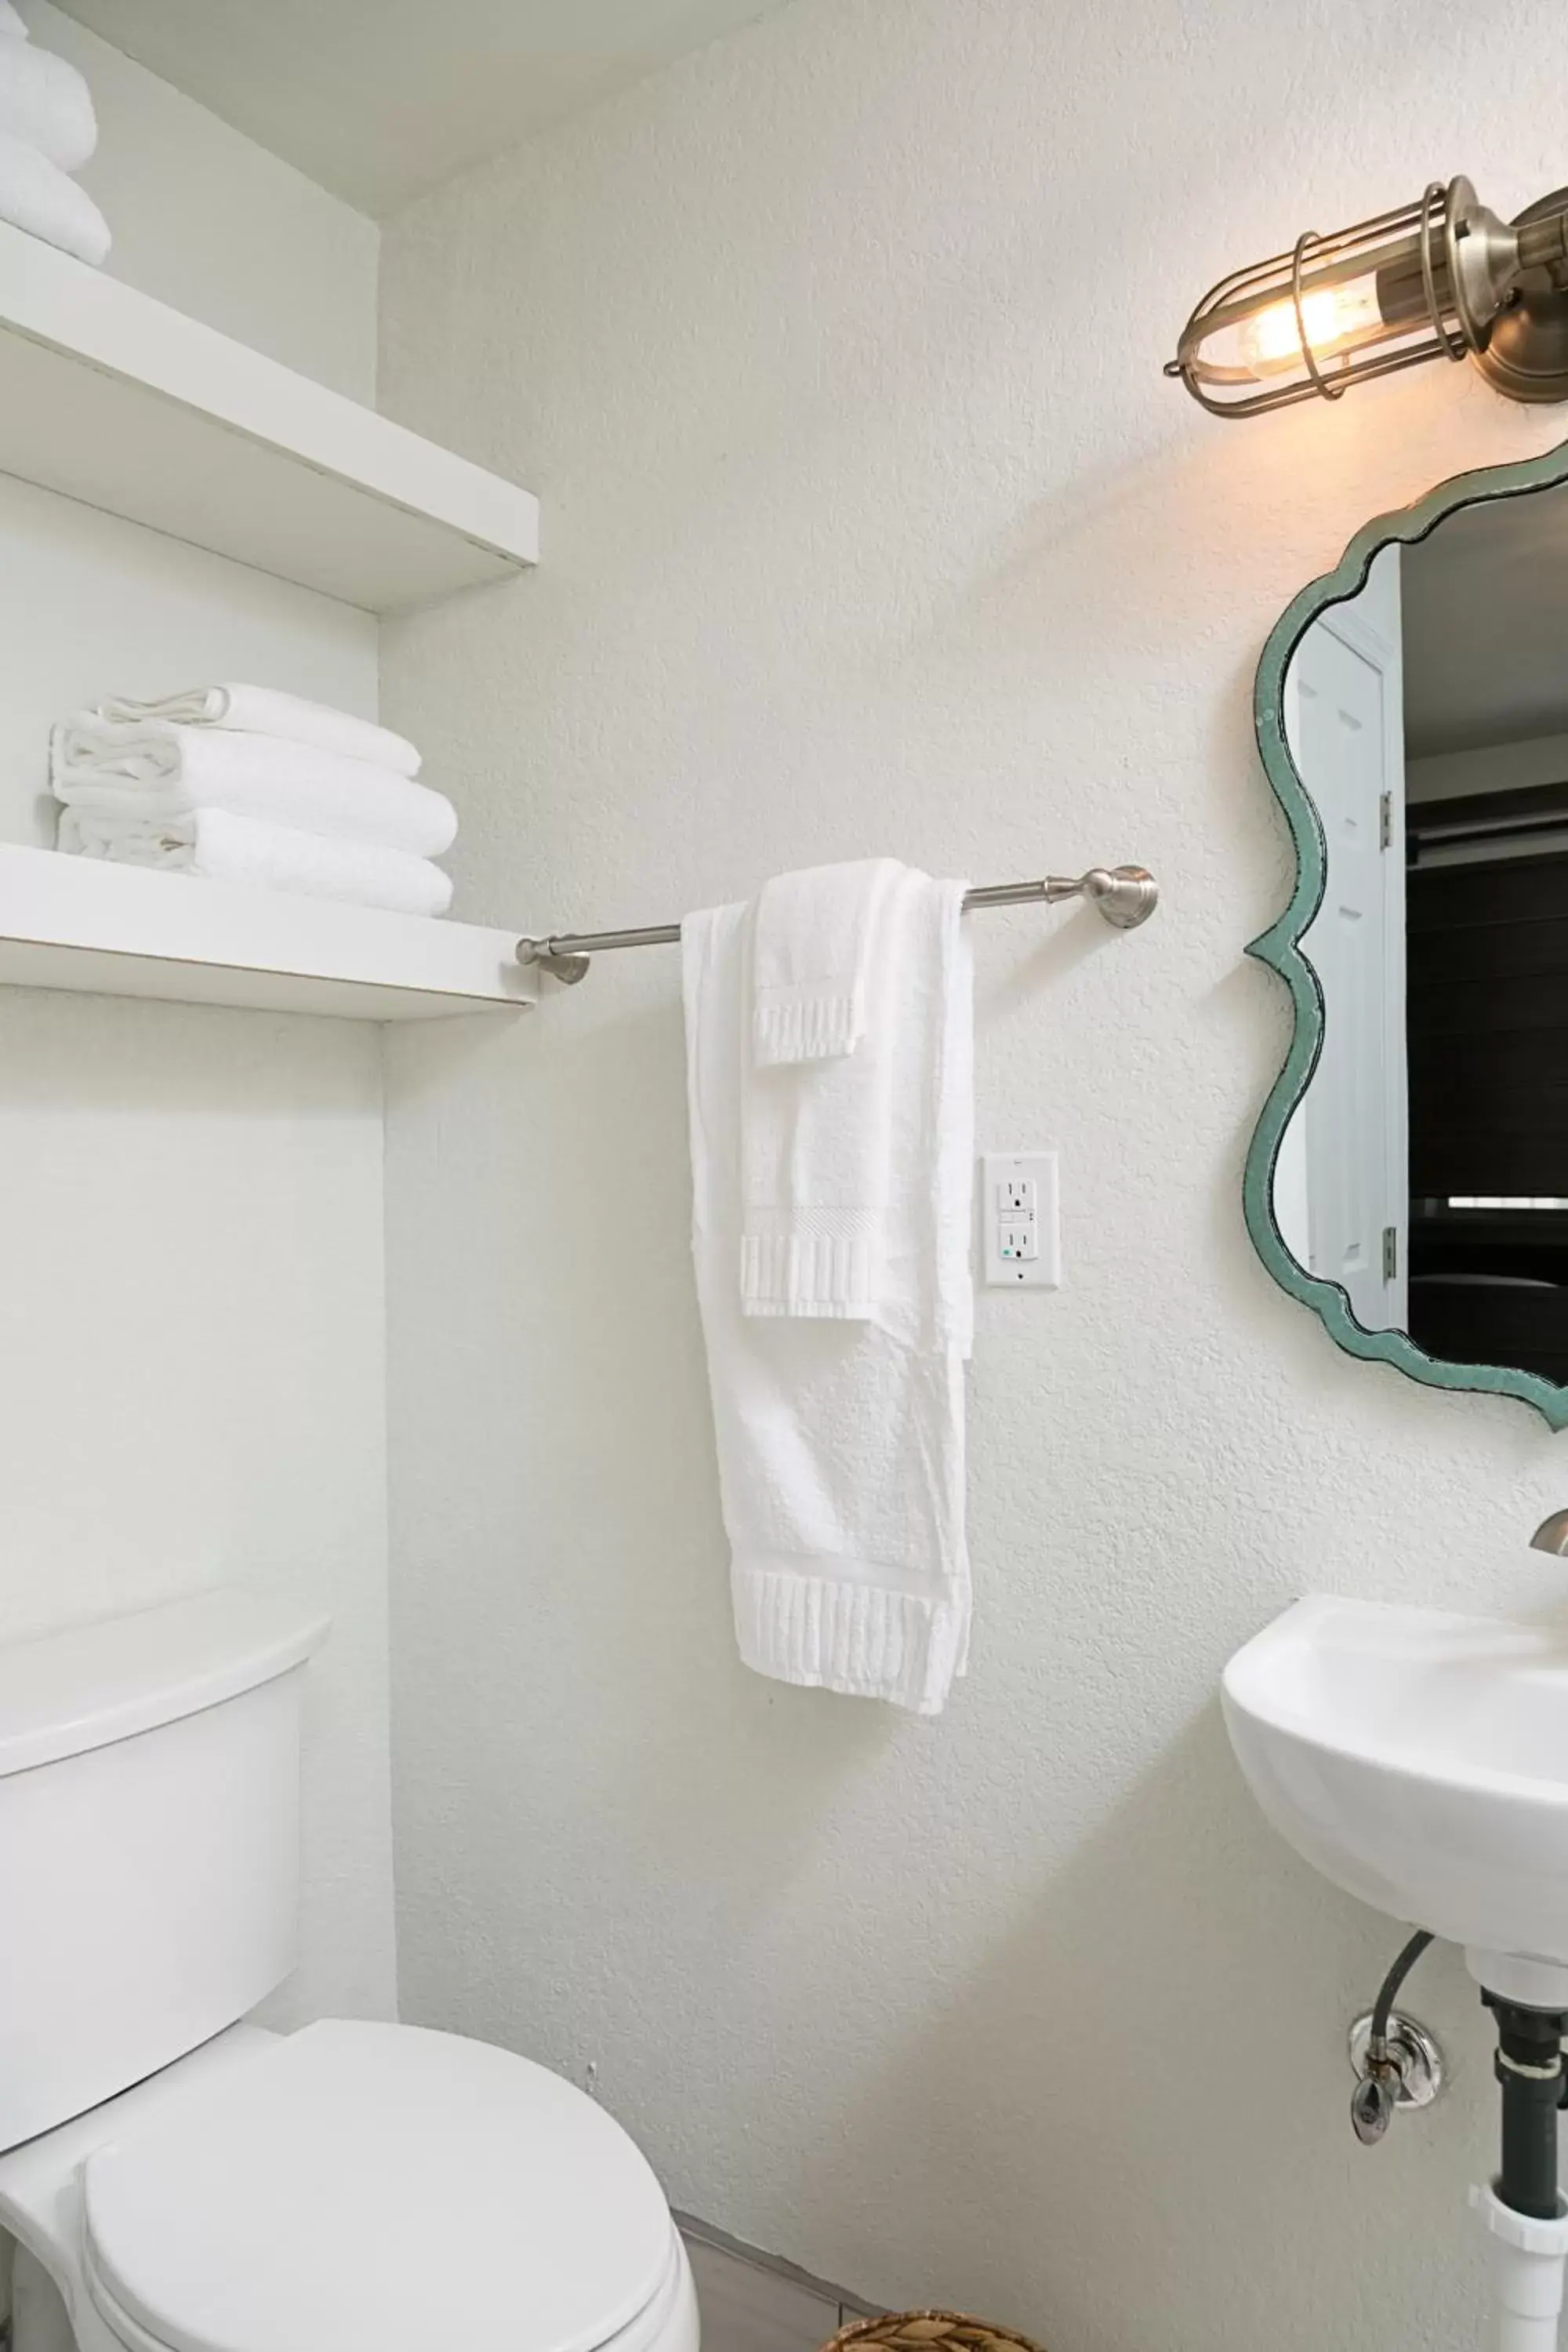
x=747, y=2307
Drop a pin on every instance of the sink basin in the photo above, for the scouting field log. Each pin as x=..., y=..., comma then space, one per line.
x=1420, y=1761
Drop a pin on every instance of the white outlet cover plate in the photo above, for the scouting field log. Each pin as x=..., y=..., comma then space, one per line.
x=1020, y=1221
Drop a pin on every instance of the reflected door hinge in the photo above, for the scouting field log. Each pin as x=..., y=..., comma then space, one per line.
x=1385, y=821
x=1390, y=1252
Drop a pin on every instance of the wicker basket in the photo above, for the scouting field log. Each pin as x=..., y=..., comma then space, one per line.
x=928, y=2331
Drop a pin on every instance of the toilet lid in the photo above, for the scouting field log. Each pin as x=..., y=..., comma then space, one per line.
x=384, y=2189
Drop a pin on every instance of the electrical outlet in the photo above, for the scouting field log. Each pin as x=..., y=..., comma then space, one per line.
x=1020, y=1222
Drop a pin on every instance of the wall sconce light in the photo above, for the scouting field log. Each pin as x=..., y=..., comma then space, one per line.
x=1440, y=278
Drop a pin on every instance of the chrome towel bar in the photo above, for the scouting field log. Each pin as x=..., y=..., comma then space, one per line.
x=1125, y=896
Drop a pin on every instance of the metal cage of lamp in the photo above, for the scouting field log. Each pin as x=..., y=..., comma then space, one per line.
x=1440, y=278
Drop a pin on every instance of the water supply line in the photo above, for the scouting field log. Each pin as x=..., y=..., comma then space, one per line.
x=1383, y=2068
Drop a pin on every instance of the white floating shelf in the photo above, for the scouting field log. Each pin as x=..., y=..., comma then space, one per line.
x=119, y=401
x=114, y=930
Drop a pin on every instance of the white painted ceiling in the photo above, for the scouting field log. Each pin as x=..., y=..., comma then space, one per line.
x=382, y=100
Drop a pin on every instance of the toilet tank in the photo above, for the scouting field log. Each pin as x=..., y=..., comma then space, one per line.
x=149, y=1841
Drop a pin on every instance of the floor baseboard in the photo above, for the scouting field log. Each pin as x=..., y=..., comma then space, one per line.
x=694, y=2230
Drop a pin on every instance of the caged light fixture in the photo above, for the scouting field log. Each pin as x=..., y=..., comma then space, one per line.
x=1441, y=278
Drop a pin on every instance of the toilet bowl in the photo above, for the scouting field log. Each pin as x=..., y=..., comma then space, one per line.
x=350, y=2186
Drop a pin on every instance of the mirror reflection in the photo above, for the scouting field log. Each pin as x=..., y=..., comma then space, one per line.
x=1426, y=1170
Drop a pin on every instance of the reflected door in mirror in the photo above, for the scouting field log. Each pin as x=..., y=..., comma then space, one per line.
x=1342, y=1189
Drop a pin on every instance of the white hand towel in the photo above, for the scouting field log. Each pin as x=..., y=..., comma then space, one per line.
x=841, y=1444
x=45, y=102
x=836, y=1188
x=268, y=711
x=817, y=1143
x=37, y=196
x=816, y=932
x=156, y=770
x=222, y=847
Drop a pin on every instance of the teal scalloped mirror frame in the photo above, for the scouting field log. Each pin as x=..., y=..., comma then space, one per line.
x=1280, y=946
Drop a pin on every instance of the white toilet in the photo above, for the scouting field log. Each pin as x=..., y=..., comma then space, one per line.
x=178, y=2181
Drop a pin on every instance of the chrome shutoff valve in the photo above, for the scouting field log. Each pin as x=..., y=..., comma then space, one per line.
x=1403, y=2069
x=1374, y=2100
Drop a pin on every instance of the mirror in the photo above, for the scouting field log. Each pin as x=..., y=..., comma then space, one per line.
x=1409, y=1177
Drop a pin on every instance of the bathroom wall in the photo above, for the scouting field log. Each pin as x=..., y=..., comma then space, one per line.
x=834, y=354
x=191, y=1353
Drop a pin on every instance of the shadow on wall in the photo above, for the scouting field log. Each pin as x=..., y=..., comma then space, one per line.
x=1089, y=2073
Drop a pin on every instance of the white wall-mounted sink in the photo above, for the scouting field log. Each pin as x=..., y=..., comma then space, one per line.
x=1420, y=1760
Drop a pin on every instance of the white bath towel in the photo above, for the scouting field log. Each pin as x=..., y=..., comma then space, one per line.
x=37, y=196
x=153, y=769
x=816, y=932
x=45, y=102
x=268, y=711
x=223, y=847
x=841, y=1442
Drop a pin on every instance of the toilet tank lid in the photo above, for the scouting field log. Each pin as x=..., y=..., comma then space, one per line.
x=90, y=1684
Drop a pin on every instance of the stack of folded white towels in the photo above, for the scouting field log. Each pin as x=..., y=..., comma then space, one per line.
x=48, y=131
x=246, y=784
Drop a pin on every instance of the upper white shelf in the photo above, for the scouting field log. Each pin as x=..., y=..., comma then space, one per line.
x=117, y=930
x=118, y=399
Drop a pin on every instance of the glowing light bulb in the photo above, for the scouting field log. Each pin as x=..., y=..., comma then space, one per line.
x=1335, y=318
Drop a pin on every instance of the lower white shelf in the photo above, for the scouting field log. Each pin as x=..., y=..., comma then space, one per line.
x=113, y=930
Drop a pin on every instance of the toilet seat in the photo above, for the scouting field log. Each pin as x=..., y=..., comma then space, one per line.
x=385, y=2187
x=669, y=2324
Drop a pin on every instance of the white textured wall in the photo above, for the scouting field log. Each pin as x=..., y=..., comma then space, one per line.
x=835, y=354
x=192, y=1351
x=190, y=1373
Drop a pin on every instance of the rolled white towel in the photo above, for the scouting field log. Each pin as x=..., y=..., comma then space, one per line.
x=221, y=847
x=37, y=196
x=156, y=770
x=268, y=711
x=45, y=102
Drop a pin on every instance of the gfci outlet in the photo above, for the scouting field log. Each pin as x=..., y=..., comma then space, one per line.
x=1020, y=1221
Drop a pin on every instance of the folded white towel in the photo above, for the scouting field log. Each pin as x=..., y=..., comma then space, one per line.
x=268, y=711
x=815, y=933
x=37, y=196
x=45, y=102
x=818, y=1147
x=841, y=1442
x=222, y=847
x=155, y=770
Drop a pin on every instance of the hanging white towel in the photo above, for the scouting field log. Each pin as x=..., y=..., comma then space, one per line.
x=820, y=1140
x=816, y=932
x=37, y=196
x=153, y=770
x=841, y=1442
x=222, y=847
x=45, y=102
x=268, y=711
